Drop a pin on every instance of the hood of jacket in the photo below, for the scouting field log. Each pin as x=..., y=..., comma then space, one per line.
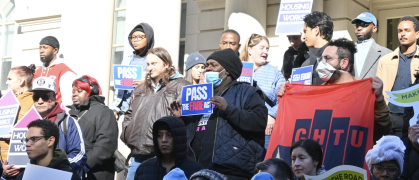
x=149, y=33
x=59, y=158
x=53, y=114
x=178, y=130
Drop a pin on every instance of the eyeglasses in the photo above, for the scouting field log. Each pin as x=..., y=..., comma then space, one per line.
x=32, y=140
x=363, y=25
x=44, y=96
x=380, y=169
x=137, y=37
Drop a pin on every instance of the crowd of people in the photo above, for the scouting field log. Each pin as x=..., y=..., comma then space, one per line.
x=81, y=136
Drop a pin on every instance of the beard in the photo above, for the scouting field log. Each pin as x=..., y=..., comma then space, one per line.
x=47, y=58
x=367, y=36
x=336, y=75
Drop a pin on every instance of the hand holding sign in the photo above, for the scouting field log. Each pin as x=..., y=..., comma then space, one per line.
x=377, y=85
x=9, y=171
x=175, y=109
x=220, y=102
x=413, y=135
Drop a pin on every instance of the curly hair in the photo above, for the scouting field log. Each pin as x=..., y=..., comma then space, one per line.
x=49, y=129
x=346, y=49
x=413, y=19
x=323, y=21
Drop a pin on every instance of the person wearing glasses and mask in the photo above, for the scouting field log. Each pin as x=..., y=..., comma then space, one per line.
x=141, y=39
x=335, y=67
x=41, y=143
x=385, y=159
x=369, y=52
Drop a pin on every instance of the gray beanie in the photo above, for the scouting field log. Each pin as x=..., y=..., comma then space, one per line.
x=194, y=59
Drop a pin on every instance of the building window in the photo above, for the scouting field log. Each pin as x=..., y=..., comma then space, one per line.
x=118, y=33
x=182, y=36
x=7, y=31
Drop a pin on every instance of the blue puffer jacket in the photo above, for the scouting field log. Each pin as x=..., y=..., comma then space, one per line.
x=240, y=131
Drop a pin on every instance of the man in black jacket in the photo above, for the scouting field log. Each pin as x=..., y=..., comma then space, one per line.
x=290, y=55
x=169, y=137
x=41, y=142
x=318, y=31
x=231, y=139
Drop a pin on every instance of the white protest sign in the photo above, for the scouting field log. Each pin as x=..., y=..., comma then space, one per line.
x=33, y=171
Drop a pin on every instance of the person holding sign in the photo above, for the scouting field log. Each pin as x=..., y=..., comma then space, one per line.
x=236, y=127
x=41, y=142
x=385, y=159
x=19, y=80
x=336, y=66
x=195, y=66
x=307, y=158
x=141, y=39
x=267, y=77
x=148, y=103
x=100, y=131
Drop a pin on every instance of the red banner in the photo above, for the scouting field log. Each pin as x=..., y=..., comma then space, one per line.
x=340, y=117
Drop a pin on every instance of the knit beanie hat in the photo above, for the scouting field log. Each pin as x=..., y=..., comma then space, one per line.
x=263, y=176
x=51, y=41
x=194, y=59
x=229, y=60
x=175, y=174
x=206, y=173
x=387, y=148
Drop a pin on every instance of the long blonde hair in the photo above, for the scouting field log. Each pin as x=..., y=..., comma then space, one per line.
x=252, y=41
x=163, y=55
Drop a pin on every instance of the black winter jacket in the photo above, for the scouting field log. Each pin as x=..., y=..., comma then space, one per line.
x=100, y=132
x=239, y=135
x=152, y=168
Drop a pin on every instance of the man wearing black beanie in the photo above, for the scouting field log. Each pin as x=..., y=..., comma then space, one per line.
x=231, y=139
x=55, y=68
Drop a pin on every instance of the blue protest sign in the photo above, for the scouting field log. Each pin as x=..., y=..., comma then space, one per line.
x=124, y=76
x=247, y=73
x=195, y=99
x=291, y=15
x=302, y=75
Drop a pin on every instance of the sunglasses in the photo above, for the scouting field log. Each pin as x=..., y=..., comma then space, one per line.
x=44, y=96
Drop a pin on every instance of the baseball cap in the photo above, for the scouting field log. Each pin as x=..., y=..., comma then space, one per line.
x=43, y=84
x=366, y=17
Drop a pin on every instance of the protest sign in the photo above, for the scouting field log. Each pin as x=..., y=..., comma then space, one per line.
x=195, y=99
x=333, y=115
x=17, y=150
x=124, y=76
x=247, y=73
x=9, y=107
x=407, y=98
x=343, y=172
x=291, y=15
x=33, y=171
x=302, y=75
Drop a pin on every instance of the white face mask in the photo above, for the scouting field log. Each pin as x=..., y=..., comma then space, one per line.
x=325, y=70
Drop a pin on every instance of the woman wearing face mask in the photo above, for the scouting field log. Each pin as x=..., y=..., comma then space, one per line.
x=267, y=77
x=19, y=80
x=195, y=66
x=385, y=159
x=99, y=127
x=307, y=156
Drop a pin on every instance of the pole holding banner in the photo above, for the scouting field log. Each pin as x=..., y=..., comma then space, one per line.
x=195, y=99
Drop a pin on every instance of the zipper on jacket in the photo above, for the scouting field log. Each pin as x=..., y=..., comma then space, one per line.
x=194, y=155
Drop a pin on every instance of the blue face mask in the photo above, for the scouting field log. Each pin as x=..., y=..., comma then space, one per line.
x=214, y=78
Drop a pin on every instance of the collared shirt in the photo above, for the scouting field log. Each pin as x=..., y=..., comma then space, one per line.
x=403, y=78
x=363, y=48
